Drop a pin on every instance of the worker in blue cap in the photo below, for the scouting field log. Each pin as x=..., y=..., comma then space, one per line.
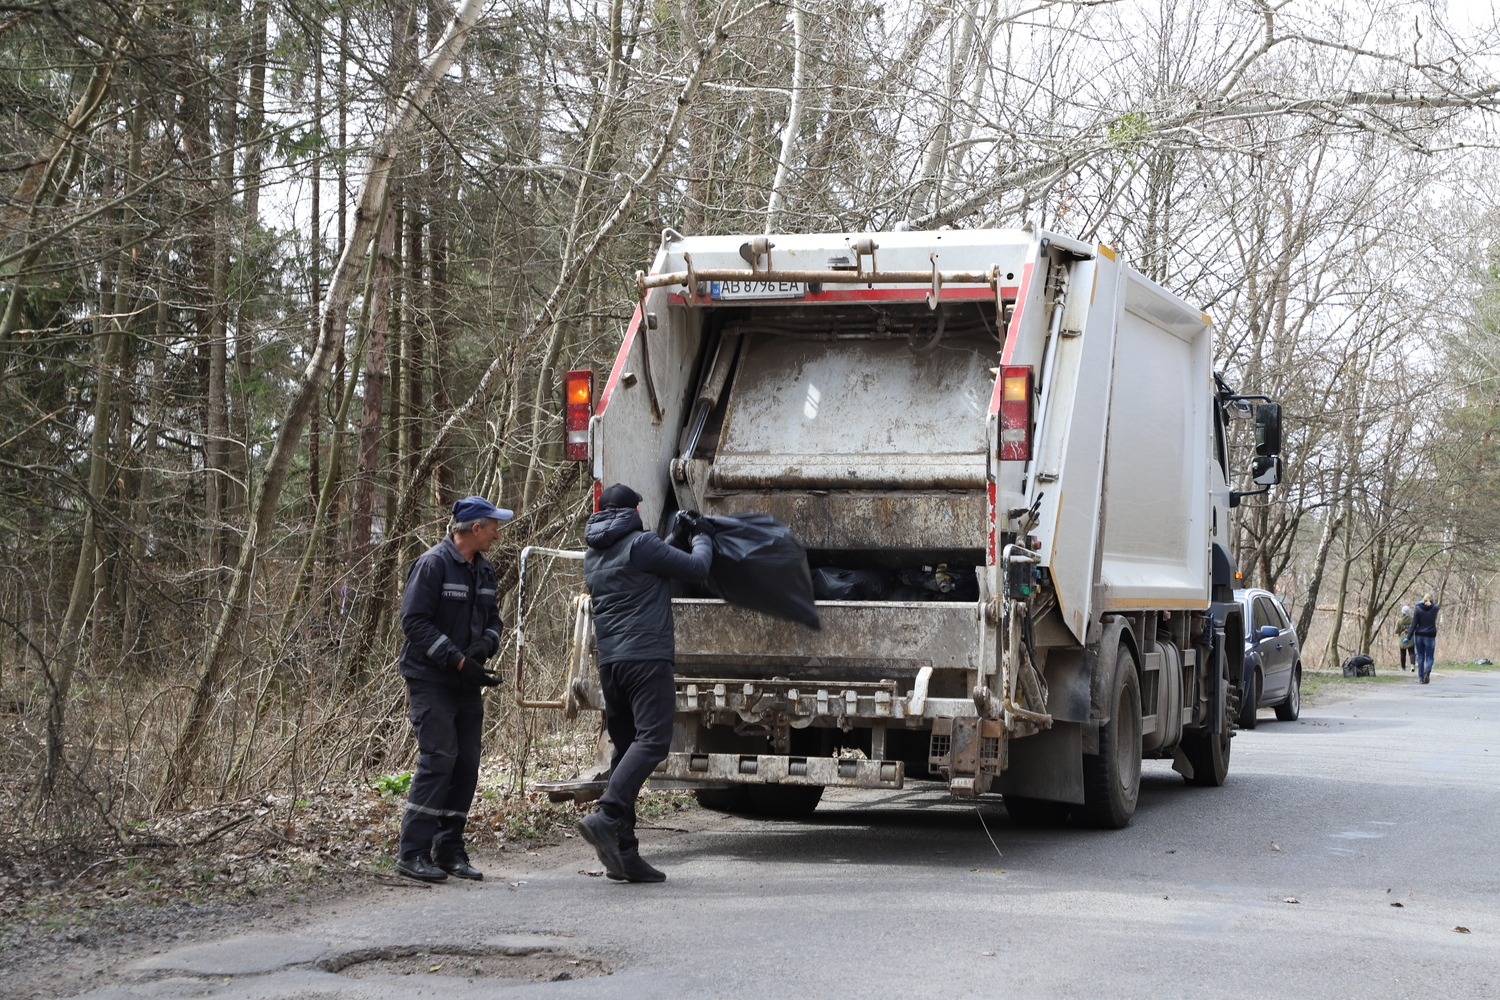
x=451, y=619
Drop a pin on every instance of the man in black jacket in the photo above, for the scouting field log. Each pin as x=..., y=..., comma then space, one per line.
x=452, y=625
x=627, y=569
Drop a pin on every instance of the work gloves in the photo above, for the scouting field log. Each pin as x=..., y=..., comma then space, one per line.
x=686, y=524
x=473, y=673
x=483, y=648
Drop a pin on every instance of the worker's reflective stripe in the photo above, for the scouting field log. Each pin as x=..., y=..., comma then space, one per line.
x=486, y=591
x=433, y=649
x=429, y=811
x=493, y=634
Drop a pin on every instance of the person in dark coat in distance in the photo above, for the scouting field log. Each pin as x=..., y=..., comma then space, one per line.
x=627, y=570
x=1424, y=636
x=451, y=619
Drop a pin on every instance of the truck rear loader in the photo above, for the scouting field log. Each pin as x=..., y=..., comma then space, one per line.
x=1019, y=432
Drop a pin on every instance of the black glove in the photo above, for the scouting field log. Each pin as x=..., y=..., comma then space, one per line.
x=685, y=524
x=483, y=648
x=473, y=675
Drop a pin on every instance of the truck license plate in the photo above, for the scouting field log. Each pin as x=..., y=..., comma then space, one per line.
x=757, y=289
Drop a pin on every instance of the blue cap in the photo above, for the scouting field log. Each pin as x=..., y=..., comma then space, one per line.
x=473, y=508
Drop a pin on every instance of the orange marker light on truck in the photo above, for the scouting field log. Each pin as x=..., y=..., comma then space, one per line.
x=1015, y=413
x=578, y=407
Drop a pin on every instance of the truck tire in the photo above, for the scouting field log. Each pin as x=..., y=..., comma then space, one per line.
x=735, y=799
x=1112, y=777
x=1035, y=812
x=1289, y=709
x=784, y=801
x=1250, y=701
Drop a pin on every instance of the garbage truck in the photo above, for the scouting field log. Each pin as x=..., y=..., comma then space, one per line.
x=1008, y=457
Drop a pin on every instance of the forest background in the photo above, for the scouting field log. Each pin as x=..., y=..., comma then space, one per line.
x=281, y=280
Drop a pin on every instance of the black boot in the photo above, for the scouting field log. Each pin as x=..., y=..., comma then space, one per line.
x=421, y=868
x=634, y=869
x=457, y=865
x=603, y=835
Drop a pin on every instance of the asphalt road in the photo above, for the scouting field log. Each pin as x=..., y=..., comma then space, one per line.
x=1389, y=798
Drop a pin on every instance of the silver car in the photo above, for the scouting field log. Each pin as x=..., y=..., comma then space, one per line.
x=1273, y=660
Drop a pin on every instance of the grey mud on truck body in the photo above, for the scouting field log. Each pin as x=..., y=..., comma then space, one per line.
x=1017, y=436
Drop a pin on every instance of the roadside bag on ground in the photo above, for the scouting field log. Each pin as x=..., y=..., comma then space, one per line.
x=1359, y=666
x=759, y=564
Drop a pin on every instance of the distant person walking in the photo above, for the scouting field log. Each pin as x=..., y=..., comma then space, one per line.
x=1424, y=635
x=1403, y=630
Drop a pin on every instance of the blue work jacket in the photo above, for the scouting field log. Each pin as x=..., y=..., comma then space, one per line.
x=449, y=602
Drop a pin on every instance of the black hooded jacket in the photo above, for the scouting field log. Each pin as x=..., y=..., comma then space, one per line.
x=1424, y=619
x=627, y=569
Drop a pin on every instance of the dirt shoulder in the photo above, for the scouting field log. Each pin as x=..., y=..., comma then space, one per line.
x=72, y=920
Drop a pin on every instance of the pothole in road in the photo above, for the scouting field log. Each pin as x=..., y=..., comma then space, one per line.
x=539, y=965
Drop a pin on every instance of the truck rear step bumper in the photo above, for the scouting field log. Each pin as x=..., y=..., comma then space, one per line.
x=773, y=769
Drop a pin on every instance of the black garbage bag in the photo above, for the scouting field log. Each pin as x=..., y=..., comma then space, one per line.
x=829, y=583
x=759, y=564
x=1359, y=666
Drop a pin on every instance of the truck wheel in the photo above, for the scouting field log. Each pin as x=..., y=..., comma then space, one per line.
x=1112, y=777
x=1035, y=812
x=1288, y=710
x=735, y=799
x=1251, y=702
x=784, y=801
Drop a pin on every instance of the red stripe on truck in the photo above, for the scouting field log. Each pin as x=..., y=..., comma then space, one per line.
x=991, y=513
x=1012, y=331
x=949, y=294
x=620, y=358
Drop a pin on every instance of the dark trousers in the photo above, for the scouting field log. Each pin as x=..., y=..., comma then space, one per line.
x=448, y=721
x=639, y=703
x=1404, y=651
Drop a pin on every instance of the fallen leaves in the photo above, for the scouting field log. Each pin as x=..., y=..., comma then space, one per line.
x=1461, y=929
x=1291, y=899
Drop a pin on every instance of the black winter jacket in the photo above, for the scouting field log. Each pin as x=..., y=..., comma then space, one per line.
x=1424, y=619
x=627, y=569
x=449, y=602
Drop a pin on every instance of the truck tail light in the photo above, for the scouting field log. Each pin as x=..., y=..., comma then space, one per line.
x=1015, y=413
x=578, y=407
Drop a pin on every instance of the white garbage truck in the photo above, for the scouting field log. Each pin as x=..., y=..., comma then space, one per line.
x=1006, y=454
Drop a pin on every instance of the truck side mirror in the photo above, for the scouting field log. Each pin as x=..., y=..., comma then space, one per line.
x=1268, y=431
x=1266, y=470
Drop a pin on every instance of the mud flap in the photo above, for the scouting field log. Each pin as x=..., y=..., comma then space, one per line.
x=1047, y=766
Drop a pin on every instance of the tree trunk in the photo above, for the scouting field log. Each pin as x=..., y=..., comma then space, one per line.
x=374, y=403
x=81, y=598
x=374, y=621
x=793, y=120
x=1331, y=656
x=178, y=773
